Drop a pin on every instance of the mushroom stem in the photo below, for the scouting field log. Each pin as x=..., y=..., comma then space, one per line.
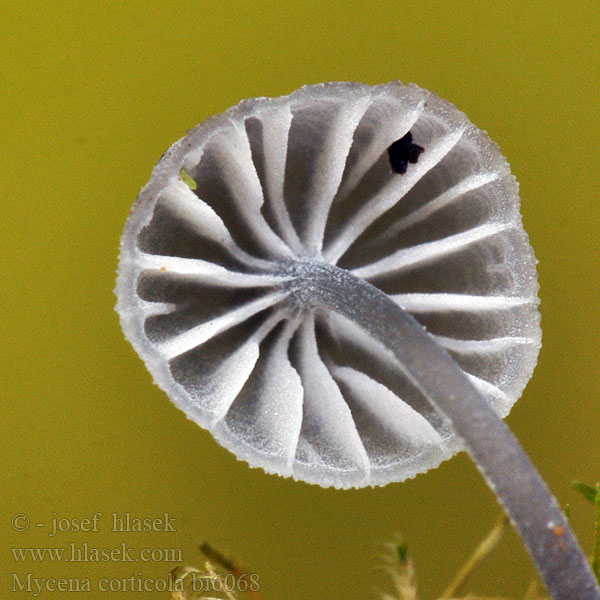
x=495, y=450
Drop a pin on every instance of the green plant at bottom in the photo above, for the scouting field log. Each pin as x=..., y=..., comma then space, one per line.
x=210, y=582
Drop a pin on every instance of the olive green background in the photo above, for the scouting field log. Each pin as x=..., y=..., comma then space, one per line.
x=92, y=95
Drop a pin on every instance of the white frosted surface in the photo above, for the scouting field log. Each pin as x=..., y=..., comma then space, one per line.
x=275, y=131
x=329, y=167
x=269, y=415
x=403, y=421
x=196, y=336
x=220, y=389
x=329, y=426
x=408, y=257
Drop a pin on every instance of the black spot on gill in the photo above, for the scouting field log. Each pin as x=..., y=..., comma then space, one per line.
x=402, y=152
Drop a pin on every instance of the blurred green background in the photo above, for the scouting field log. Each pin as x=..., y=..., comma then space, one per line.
x=92, y=95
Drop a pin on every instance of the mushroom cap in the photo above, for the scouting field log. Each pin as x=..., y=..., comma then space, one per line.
x=389, y=182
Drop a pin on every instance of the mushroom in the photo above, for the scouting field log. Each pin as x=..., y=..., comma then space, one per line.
x=337, y=285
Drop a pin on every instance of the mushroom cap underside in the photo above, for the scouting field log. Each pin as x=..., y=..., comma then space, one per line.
x=388, y=182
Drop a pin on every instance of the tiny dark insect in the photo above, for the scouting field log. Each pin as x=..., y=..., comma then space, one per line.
x=402, y=152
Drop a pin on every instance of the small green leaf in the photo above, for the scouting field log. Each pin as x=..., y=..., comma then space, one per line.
x=567, y=511
x=589, y=492
x=187, y=179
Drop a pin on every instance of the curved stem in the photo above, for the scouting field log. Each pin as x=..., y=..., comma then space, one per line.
x=497, y=453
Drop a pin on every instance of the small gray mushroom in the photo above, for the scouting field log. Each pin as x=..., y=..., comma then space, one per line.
x=324, y=280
